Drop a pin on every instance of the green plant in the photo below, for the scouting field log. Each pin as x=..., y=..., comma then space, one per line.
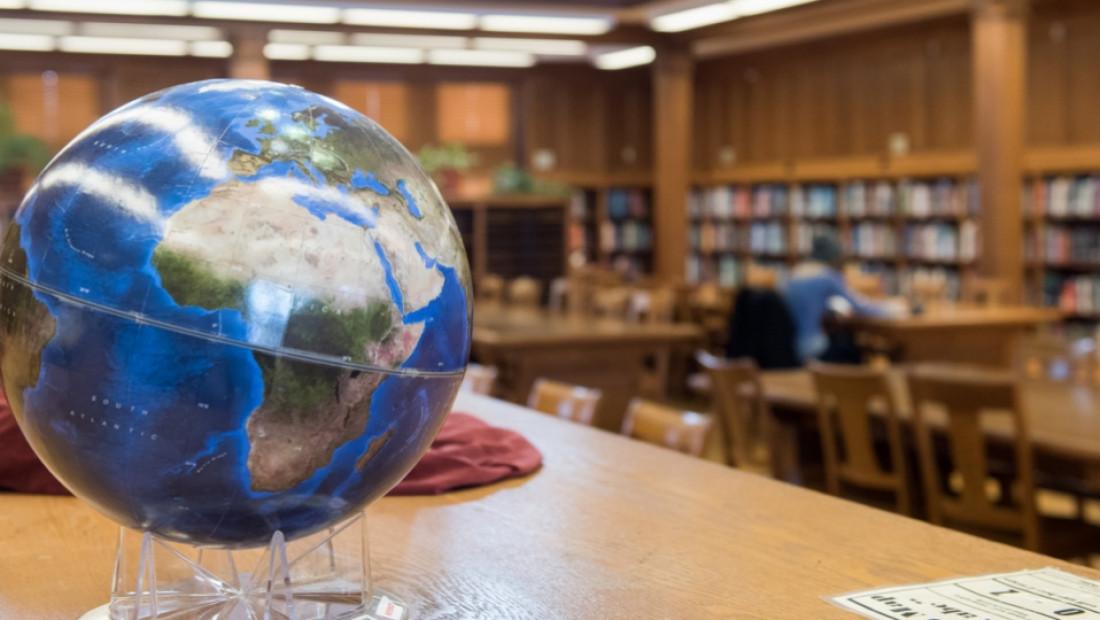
x=451, y=156
x=19, y=150
x=511, y=179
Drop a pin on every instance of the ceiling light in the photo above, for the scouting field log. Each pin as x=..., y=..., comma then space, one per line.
x=622, y=59
x=112, y=45
x=356, y=53
x=545, y=23
x=117, y=7
x=549, y=47
x=694, y=18
x=436, y=20
x=306, y=37
x=480, y=58
x=212, y=49
x=409, y=40
x=36, y=26
x=745, y=8
x=150, y=31
x=267, y=12
x=12, y=4
x=286, y=51
x=27, y=42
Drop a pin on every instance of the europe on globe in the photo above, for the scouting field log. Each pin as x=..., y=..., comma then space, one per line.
x=231, y=308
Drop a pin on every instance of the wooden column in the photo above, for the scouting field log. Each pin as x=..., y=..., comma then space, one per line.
x=999, y=46
x=672, y=106
x=248, y=60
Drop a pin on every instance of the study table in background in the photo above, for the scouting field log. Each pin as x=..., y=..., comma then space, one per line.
x=611, y=354
x=976, y=335
x=1064, y=420
x=608, y=528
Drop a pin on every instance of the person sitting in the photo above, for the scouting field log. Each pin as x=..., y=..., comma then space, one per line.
x=810, y=294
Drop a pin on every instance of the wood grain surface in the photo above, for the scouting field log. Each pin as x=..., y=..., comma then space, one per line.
x=608, y=528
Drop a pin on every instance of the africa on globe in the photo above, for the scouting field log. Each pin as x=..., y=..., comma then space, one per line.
x=232, y=308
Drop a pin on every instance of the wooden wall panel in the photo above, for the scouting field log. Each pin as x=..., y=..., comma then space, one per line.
x=629, y=114
x=52, y=106
x=1063, y=91
x=839, y=97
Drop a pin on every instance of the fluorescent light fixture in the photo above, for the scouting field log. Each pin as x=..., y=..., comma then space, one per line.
x=409, y=40
x=744, y=8
x=546, y=23
x=120, y=45
x=358, y=53
x=631, y=57
x=36, y=26
x=27, y=42
x=13, y=4
x=436, y=20
x=286, y=51
x=212, y=49
x=694, y=18
x=480, y=58
x=266, y=12
x=549, y=47
x=116, y=7
x=150, y=31
x=306, y=37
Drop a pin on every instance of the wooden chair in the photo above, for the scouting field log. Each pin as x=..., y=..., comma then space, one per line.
x=972, y=400
x=524, y=292
x=568, y=295
x=1052, y=357
x=651, y=306
x=684, y=431
x=611, y=302
x=490, y=289
x=564, y=400
x=479, y=379
x=737, y=397
x=845, y=396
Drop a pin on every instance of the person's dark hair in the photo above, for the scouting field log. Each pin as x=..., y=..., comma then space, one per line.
x=826, y=249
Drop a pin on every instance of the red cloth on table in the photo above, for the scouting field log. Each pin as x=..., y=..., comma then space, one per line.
x=20, y=469
x=468, y=452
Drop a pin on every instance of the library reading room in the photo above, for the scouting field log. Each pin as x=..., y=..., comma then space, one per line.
x=611, y=309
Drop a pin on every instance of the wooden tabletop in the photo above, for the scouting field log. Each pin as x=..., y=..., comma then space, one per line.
x=963, y=317
x=608, y=528
x=520, y=327
x=1064, y=418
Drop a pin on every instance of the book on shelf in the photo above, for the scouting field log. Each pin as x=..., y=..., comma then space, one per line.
x=623, y=203
x=1063, y=196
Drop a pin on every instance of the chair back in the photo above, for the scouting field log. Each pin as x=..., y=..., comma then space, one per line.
x=684, y=431
x=845, y=398
x=568, y=295
x=490, y=289
x=611, y=302
x=651, y=306
x=479, y=379
x=1052, y=357
x=969, y=398
x=564, y=400
x=524, y=292
x=738, y=401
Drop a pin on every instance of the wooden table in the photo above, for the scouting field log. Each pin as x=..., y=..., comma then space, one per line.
x=609, y=354
x=608, y=528
x=958, y=333
x=1064, y=421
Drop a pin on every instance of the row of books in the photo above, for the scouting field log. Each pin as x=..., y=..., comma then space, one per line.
x=1073, y=294
x=626, y=236
x=767, y=238
x=872, y=240
x=725, y=270
x=708, y=237
x=1063, y=196
x=805, y=232
x=938, y=198
x=1064, y=244
x=623, y=203
x=904, y=281
x=942, y=241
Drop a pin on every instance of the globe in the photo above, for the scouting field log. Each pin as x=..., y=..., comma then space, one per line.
x=231, y=308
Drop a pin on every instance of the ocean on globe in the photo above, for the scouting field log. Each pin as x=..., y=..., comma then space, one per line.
x=231, y=308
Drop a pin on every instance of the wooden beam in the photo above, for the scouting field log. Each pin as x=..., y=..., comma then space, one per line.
x=817, y=20
x=999, y=44
x=673, y=86
x=248, y=60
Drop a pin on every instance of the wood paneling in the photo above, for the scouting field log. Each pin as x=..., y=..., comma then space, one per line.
x=52, y=106
x=386, y=103
x=1063, y=94
x=841, y=97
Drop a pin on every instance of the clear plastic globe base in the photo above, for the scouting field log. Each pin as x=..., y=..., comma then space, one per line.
x=325, y=576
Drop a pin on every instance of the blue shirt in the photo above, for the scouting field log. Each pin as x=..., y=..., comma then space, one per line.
x=807, y=300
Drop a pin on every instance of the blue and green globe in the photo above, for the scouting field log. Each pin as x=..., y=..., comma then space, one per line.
x=232, y=308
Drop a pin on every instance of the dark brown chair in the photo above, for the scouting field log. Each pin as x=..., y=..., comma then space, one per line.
x=738, y=401
x=974, y=401
x=564, y=400
x=684, y=431
x=846, y=396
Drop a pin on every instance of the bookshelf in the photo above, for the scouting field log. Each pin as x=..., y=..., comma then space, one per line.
x=903, y=227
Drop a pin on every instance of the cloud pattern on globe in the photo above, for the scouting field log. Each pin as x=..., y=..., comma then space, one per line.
x=232, y=307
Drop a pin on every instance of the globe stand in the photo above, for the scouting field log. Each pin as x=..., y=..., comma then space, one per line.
x=325, y=576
